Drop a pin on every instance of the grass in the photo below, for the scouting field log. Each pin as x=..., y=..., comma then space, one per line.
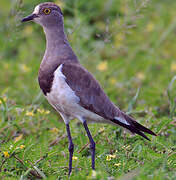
x=130, y=48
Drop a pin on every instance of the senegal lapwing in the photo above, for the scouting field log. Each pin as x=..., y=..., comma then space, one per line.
x=69, y=87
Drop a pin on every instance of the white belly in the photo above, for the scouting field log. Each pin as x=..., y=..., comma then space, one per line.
x=65, y=101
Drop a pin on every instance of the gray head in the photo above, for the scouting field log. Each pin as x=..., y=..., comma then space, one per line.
x=46, y=14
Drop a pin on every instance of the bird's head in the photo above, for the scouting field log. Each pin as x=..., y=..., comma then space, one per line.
x=46, y=14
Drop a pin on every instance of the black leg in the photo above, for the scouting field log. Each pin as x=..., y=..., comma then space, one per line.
x=70, y=148
x=92, y=144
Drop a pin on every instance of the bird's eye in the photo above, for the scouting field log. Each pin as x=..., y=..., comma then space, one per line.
x=47, y=11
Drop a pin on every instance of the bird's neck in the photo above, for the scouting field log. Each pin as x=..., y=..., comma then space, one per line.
x=58, y=50
x=55, y=37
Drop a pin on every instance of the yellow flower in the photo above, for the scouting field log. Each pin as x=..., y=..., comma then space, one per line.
x=128, y=147
x=47, y=112
x=101, y=130
x=29, y=113
x=18, y=138
x=140, y=75
x=54, y=130
x=5, y=99
x=24, y=68
x=150, y=26
x=110, y=156
x=75, y=158
x=6, y=65
x=103, y=66
x=41, y=111
x=28, y=30
x=112, y=80
x=22, y=146
x=119, y=39
x=173, y=66
x=94, y=173
x=6, y=154
x=117, y=164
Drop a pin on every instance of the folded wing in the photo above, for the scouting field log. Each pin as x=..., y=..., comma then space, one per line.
x=93, y=98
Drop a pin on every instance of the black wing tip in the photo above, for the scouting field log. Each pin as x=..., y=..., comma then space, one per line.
x=135, y=127
x=154, y=134
x=143, y=135
x=143, y=129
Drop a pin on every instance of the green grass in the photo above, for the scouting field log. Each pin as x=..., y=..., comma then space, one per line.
x=130, y=48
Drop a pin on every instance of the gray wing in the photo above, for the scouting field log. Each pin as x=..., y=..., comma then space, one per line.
x=92, y=96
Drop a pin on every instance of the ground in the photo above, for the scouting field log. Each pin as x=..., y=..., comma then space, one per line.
x=129, y=46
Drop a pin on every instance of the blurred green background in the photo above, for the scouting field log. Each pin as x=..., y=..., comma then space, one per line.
x=130, y=47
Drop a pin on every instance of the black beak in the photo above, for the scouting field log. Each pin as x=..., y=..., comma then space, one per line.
x=29, y=18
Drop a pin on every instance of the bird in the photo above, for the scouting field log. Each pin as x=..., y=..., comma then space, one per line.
x=70, y=88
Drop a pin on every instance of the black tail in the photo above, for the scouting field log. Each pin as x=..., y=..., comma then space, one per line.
x=133, y=126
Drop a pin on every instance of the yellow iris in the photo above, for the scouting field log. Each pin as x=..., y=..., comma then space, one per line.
x=47, y=11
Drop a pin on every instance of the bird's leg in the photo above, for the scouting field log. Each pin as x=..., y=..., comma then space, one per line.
x=92, y=144
x=70, y=148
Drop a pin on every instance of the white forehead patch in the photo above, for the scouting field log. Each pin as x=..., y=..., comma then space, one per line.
x=36, y=10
